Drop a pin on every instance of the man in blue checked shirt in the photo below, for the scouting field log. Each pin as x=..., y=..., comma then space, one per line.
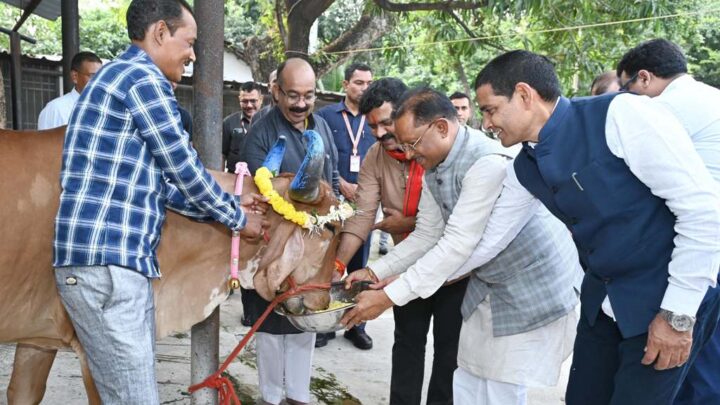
x=125, y=159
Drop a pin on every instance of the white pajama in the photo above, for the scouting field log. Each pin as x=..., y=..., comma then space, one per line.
x=496, y=370
x=532, y=358
x=471, y=390
x=284, y=361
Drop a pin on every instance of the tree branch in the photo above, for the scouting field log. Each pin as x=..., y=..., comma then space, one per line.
x=280, y=22
x=472, y=34
x=418, y=6
x=462, y=24
x=361, y=35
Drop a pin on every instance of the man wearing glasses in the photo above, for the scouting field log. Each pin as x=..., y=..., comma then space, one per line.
x=236, y=125
x=284, y=352
x=658, y=68
x=518, y=318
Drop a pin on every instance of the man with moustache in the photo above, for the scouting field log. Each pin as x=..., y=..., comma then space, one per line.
x=126, y=159
x=622, y=174
x=353, y=139
x=284, y=352
x=517, y=313
x=237, y=125
x=387, y=178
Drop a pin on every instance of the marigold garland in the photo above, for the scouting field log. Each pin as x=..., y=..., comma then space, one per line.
x=313, y=222
x=263, y=180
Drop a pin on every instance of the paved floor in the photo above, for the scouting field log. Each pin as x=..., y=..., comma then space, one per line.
x=342, y=374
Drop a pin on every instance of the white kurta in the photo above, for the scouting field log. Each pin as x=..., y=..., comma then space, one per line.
x=530, y=359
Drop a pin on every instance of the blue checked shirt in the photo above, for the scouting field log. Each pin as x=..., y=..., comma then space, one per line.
x=125, y=159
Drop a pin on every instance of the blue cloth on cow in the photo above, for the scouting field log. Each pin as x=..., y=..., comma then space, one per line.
x=125, y=159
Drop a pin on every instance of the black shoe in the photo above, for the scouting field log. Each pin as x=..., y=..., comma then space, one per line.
x=382, y=250
x=321, y=339
x=359, y=338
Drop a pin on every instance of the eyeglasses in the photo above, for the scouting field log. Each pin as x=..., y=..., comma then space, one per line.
x=626, y=86
x=411, y=147
x=251, y=101
x=295, y=98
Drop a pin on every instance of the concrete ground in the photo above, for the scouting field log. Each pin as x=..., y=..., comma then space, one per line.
x=342, y=374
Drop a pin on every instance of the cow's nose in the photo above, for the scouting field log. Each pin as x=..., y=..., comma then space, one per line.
x=295, y=305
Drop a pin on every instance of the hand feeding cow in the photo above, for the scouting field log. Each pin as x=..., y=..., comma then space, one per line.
x=193, y=257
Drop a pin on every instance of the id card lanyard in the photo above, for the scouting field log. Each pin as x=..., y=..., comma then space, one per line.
x=355, y=139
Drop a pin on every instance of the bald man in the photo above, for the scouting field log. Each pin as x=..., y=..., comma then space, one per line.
x=285, y=353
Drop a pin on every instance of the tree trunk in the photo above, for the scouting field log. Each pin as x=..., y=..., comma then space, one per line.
x=368, y=28
x=300, y=18
x=259, y=56
x=3, y=104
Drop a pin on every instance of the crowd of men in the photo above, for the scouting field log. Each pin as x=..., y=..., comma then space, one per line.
x=608, y=201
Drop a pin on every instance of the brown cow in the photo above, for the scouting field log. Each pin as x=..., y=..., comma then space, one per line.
x=193, y=256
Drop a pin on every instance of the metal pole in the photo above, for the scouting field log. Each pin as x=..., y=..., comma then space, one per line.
x=70, y=38
x=207, y=139
x=16, y=79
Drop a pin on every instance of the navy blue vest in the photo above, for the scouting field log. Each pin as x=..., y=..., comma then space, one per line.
x=624, y=233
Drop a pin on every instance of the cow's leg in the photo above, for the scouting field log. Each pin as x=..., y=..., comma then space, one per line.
x=30, y=373
x=88, y=381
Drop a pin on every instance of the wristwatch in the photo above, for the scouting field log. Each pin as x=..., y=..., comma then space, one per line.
x=680, y=323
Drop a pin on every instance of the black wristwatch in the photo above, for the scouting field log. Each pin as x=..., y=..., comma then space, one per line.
x=680, y=323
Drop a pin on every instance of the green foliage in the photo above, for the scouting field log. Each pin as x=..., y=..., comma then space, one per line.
x=548, y=28
x=241, y=21
x=102, y=30
x=432, y=47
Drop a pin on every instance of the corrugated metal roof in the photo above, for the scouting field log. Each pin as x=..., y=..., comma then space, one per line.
x=49, y=9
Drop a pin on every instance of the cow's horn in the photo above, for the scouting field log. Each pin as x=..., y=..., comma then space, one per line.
x=274, y=159
x=305, y=187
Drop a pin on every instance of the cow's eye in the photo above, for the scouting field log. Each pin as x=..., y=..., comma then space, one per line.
x=331, y=228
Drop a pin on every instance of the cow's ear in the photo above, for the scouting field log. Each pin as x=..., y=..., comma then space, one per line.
x=279, y=237
x=292, y=256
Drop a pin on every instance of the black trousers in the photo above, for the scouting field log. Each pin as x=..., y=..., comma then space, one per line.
x=606, y=367
x=412, y=322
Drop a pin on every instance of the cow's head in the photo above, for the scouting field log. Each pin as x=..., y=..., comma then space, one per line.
x=292, y=251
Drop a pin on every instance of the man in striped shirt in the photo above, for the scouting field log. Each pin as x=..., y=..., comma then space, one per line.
x=125, y=159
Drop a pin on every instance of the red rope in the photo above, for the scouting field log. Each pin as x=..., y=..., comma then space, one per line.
x=226, y=392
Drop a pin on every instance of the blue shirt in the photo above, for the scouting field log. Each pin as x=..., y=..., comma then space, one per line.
x=125, y=158
x=334, y=117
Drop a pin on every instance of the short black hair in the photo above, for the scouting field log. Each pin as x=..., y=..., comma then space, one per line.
x=508, y=69
x=458, y=95
x=356, y=66
x=251, y=86
x=387, y=89
x=143, y=13
x=602, y=81
x=81, y=57
x=659, y=56
x=426, y=105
